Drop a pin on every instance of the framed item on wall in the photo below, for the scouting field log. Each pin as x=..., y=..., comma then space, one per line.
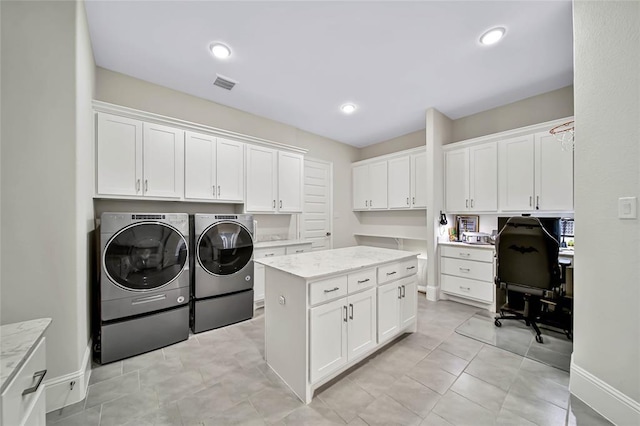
x=467, y=224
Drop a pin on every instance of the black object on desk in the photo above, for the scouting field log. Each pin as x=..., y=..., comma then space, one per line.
x=527, y=264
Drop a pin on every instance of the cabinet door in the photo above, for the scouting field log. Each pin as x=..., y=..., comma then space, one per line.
x=290, y=181
x=328, y=338
x=230, y=170
x=360, y=188
x=199, y=173
x=261, y=179
x=419, y=180
x=515, y=180
x=483, y=179
x=388, y=311
x=399, y=183
x=163, y=162
x=554, y=174
x=362, y=323
x=409, y=304
x=258, y=282
x=378, y=185
x=456, y=180
x=119, y=155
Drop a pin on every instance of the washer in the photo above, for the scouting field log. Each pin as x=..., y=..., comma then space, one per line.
x=222, y=265
x=144, y=283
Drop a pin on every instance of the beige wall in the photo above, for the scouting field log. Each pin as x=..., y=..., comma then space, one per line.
x=123, y=90
x=537, y=109
x=607, y=166
x=408, y=141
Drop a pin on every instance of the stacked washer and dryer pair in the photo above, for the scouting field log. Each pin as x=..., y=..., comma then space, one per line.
x=156, y=281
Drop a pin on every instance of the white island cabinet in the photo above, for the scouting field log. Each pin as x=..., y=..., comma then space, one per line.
x=326, y=311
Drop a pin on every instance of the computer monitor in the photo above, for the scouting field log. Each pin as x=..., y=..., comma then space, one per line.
x=551, y=224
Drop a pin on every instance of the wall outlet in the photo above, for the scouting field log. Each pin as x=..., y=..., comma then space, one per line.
x=627, y=208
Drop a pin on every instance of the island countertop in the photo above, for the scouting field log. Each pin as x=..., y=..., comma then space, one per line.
x=319, y=264
x=17, y=342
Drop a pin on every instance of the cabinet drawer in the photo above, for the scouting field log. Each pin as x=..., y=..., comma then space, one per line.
x=470, y=289
x=15, y=406
x=269, y=252
x=409, y=267
x=390, y=272
x=325, y=290
x=461, y=252
x=361, y=280
x=298, y=249
x=467, y=269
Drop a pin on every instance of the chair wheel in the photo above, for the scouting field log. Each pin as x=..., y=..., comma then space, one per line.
x=538, y=338
x=497, y=323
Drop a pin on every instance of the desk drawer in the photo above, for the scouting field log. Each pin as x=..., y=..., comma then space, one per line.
x=470, y=289
x=362, y=279
x=468, y=253
x=269, y=252
x=467, y=269
x=329, y=289
x=16, y=407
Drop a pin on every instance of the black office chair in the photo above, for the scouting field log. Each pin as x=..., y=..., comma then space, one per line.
x=527, y=263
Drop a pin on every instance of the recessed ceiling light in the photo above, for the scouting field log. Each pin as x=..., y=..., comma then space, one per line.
x=492, y=36
x=220, y=50
x=348, y=108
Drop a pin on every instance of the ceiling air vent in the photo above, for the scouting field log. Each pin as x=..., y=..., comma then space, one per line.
x=224, y=82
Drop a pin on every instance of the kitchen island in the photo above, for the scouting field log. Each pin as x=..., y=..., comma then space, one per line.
x=326, y=311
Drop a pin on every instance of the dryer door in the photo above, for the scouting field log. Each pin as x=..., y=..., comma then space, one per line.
x=145, y=256
x=225, y=248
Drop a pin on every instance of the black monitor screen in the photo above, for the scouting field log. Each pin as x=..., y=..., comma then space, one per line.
x=551, y=224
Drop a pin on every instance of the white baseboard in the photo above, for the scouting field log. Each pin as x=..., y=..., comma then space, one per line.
x=58, y=389
x=609, y=402
x=433, y=293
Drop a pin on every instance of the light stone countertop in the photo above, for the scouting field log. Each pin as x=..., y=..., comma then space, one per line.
x=17, y=341
x=461, y=244
x=279, y=243
x=318, y=264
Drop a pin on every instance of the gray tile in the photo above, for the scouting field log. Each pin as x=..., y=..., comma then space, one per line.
x=357, y=422
x=372, y=379
x=346, y=398
x=419, y=340
x=461, y=346
x=214, y=369
x=500, y=376
x=447, y=362
x=274, y=404
x=499, y=357
x=480, y=392
x=326, y=412
x=552, y=358
x=166, y=415
x=174, y=351
x=432, y=377
x=529, y=384
x=204, y=404
x=307, y=416
x=243, y=383
x=90, y=417
x=160, y=372
x=459, y=411
x=179, y=386
x=111, y=389
x=69, y=410
x=508, y=418
x=581, y=414
x=535, y=410
x=101, y=373
x=542, y=370
x=123, y=409
x=142, y=361
x=249, y=358
x=413, y=395
x=434, y=420
x=242, y=413
x=386, y=411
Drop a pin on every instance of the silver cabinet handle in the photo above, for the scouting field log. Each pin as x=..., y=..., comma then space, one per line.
x=413, y=200
x=146, y=185
x=280, y=203
x=399, y=293
x=333, y=289
x=274, y=204
x=407, y=200
x=218, y=190
x=537, y=202
x=366, y=203
x=465, y=288
x=530, y=201
x=410, y=268
x=351, y=309
x=40, y=376
x=404, y=291
x=465, y=254
x=214, y=190
x=345, y=313
x=466, y=203
x=299, y=251
x=370, y=203
x=391, y=273
x=472, y=203
x=464, y=269
x=363, y=281
x=137, y=186
x=268, y=254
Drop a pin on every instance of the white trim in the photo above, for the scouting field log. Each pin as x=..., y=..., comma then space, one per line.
x=100, y=106
x=58, y=389
x=608, y=401
x=331, y=204
x=410, y=151
x=433, y=293
x=527, y=130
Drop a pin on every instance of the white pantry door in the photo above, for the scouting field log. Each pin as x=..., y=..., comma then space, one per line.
x=318, y=194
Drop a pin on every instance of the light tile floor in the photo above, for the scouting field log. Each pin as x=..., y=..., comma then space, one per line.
x=433, y=377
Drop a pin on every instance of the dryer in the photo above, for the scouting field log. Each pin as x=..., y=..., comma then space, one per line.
x=143, y=301
x=222, y=270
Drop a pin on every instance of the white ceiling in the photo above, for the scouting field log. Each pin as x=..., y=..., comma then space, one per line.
x=297, y=61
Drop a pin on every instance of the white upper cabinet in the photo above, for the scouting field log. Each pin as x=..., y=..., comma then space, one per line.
x=535, y=174
x=399, y=182
x=214, y=168
x=370, y=186
x=360, y=187
x=419, y=180
x=471, y=178
x=139, y=159
x=274, y=181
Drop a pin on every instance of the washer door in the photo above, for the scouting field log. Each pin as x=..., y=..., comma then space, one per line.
x=225, y=248
x=145, y=256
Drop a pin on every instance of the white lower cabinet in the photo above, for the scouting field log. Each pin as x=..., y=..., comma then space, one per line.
x=341, y=331
x=397, y=307
x=467, y=273
x=258, y=270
